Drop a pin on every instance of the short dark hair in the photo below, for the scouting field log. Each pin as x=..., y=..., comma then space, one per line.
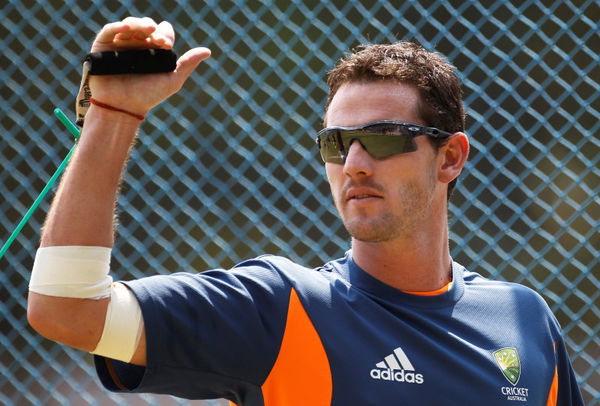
x=407, y=62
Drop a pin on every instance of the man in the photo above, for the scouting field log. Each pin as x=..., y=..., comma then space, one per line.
x=395, y=321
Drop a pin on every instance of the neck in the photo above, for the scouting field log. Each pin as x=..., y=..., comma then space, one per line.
x=420, y=263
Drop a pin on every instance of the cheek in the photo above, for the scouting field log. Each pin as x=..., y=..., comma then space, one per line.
x=334, y=177
x=332, y=174
x=428, y=159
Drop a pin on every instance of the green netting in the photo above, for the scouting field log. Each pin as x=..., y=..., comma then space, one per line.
x=227, y=169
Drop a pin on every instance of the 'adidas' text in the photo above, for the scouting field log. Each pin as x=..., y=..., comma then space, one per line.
x=398, y=376
x=396, y=367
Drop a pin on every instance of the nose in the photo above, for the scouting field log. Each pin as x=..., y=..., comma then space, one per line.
x=358, y=161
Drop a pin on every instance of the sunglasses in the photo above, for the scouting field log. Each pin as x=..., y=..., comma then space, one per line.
x=381, y=139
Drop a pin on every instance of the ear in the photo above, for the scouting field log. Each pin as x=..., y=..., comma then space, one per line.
x=453, y=156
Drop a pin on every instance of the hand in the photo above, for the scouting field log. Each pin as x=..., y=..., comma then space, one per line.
x=139, y=93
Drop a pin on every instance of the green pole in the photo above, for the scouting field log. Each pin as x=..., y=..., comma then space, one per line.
x=75, y=132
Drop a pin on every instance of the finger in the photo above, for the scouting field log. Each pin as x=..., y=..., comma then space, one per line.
x=123, y=36
x=164, y=36
x=139, y=28
x=110, y=31
x=138, y=22
x=149, y=20
x=188, y=62
x=166, y=29
x=123, y=31
x=147, y=27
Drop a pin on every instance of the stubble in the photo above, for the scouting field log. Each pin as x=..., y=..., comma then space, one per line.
x=401, y=218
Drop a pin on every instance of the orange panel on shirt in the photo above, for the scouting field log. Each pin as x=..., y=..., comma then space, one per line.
x=301, y=374
x=553, y=392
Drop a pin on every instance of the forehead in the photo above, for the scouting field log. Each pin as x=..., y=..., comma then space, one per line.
x=359, y=103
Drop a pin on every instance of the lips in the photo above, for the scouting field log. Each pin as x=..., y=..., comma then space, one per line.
x=360, y=193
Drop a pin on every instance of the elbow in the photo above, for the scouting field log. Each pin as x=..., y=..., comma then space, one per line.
x=77, y=323
x=36, y=316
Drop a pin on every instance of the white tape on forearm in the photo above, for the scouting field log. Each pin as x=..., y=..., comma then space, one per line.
x=122, y=327
x=72, y=271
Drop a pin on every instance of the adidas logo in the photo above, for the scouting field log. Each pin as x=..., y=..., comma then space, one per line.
x=396, y=367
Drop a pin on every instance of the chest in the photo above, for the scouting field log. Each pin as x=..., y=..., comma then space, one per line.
x=457, y=355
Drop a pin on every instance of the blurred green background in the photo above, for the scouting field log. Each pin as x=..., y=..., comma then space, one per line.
x=227, y=169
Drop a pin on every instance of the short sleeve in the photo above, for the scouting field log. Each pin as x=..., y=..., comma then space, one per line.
x=208, y=335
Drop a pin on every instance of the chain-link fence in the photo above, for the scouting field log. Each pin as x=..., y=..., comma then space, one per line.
x=227, y=169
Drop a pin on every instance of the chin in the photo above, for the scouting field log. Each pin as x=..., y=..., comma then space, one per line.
x=372, y=231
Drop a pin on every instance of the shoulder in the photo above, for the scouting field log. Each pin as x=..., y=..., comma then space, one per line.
x=267, y=273
x=312, y=285
x=271, y=262
x=499, y=293
x=286, y=269
x=507, y=304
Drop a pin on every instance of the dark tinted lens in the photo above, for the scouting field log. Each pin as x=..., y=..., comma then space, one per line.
x=330, y=148
x=381, y=139
x=381, y=146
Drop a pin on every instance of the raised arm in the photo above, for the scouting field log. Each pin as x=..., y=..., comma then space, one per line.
x=83, y=210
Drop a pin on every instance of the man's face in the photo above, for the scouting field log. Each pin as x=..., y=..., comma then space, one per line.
x=382, y=200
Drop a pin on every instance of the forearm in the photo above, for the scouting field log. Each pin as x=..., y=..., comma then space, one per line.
x=61, y=306
x=82, y=212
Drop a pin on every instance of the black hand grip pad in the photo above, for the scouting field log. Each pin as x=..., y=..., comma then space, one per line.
x=132, y=61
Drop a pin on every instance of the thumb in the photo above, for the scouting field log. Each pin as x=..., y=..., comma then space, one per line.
x=188, y=62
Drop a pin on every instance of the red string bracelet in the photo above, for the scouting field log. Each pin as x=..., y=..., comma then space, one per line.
x=113, y=108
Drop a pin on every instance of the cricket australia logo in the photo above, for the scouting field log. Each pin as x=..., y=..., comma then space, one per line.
x=508, y=361
x=510, y=365
x=396, y=367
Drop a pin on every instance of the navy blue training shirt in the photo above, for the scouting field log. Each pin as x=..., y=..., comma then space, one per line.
x=271, y=332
